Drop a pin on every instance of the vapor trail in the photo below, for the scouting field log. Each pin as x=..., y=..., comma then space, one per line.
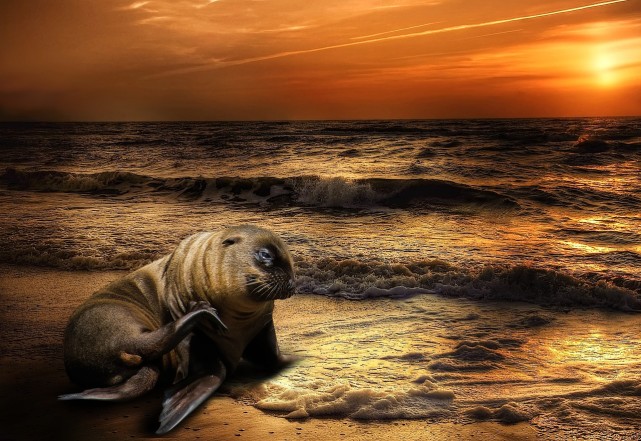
x=218, y=64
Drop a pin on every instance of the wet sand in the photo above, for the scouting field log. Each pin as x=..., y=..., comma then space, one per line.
x=35, y=304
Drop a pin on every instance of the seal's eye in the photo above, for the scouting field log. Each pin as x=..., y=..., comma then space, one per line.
x=265, y=257
x=229, y=241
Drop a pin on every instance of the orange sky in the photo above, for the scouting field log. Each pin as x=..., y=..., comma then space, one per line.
x=334, y=59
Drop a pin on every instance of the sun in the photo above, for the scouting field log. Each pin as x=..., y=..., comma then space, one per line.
x=604, y=68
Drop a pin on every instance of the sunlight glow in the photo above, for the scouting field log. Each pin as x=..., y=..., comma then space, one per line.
x=587, y=248
x=357, y=59
x=605, y=69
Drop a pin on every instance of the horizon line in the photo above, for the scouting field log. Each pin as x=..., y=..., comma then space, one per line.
x=471, y=118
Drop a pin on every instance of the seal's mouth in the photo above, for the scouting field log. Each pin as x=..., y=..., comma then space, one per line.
x=291, y=289
x=274, y=286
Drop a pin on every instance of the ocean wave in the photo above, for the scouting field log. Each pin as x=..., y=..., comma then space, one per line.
x=55, y=181
x=49, y=256
x=591, y=144
x=353, y=279
x=349, y=153
x=595, y=150
x=334, y=192
x=356, y=280
x=428, y=397
x=142, y=141
x=314, y=191
x=581, y=198
x=602, y=236
x=620, y=257
x=387, y=128
x=446, y=143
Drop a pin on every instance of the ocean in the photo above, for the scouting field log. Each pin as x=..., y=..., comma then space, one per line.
x=478, y=269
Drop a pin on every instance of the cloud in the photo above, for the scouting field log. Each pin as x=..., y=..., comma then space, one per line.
x=166, y=58
x=207, y=3
x=137, y=5
x=379, y=38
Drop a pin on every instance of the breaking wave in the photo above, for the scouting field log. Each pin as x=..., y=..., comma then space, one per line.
x=352, y=279
x=313, y=191
x=359, y=280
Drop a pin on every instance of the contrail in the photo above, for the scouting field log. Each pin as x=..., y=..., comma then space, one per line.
x=493, y=33
x=221, y=64
x=363, y=37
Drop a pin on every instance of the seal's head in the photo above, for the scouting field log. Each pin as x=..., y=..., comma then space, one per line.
x=240, y=266
x=268, y=269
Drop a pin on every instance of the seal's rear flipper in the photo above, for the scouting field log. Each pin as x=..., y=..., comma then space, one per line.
x=143, y=381
x=181, y=401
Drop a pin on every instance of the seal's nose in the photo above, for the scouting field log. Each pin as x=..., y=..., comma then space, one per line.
x=291, y=286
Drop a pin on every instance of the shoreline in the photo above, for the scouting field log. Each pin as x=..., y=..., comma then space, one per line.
x=33, y=375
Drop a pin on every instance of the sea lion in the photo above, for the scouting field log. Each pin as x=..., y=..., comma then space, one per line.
x=192, y=315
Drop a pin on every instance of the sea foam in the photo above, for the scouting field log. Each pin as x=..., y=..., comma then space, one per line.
x=352, y=279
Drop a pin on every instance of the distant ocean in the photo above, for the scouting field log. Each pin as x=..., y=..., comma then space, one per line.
x=428, y=225
x=544, y=210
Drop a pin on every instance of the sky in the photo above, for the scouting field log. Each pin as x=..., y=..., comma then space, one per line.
x=73, y=60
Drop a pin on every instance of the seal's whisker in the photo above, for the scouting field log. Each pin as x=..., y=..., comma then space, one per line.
x=263, y=291
x=274, y=291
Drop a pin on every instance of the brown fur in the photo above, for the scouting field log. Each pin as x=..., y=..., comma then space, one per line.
x=118, y=329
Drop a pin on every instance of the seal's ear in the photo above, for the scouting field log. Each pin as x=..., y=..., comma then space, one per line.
x=230, y=241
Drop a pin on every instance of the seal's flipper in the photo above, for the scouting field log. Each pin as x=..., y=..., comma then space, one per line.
x=154, y=344
x=143, y=381
x=263, y=350
x=182, y=359
x=180, y=402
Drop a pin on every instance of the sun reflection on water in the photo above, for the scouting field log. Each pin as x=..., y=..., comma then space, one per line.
x=594, y=346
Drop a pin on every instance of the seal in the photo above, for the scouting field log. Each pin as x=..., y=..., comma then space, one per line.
x=189, y=317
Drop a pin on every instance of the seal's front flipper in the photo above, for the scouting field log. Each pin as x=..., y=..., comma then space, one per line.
x=213, y=321
x=143, y=381
x=263, y=350
x=152, y=345
x=185, y=396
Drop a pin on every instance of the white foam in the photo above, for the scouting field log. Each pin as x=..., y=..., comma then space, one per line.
x=343, y=400
x=336, y=192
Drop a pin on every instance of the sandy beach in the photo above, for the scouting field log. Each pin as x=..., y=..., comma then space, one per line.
x=36, y=303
